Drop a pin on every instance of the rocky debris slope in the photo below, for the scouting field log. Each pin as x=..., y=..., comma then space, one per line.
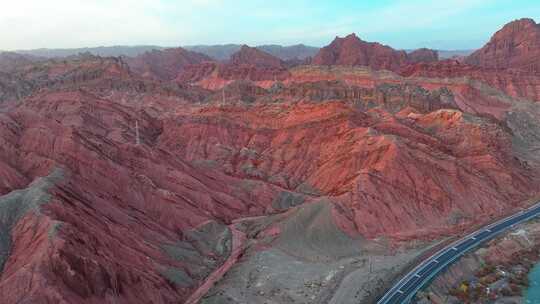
x=515, y=46
x=303, y=256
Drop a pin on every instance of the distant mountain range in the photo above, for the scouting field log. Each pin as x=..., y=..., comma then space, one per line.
x=218, y=52
x=446, y=54
x=224, y=52
x=104, y=51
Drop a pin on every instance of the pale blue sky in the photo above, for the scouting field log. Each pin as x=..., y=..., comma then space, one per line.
x=453, y=24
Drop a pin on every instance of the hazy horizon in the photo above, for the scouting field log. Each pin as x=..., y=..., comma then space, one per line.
x=60, y=24
x=192, y=46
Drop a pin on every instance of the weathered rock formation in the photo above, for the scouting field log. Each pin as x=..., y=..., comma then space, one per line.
x=248, y=64
x=253, y=56
x=423, y=55
x=164, y=64
x=352, y=51
x=515, y=83
x=515, y=46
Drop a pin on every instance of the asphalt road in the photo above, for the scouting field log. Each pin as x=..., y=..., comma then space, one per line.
x=410, y=284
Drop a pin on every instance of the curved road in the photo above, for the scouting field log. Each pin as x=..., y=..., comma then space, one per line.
x=410, y=284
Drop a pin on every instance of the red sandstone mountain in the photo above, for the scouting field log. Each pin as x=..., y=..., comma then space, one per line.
x=256, y=57
x=516, y=46
x=352, y=51
x=423, y=55
x=509, y=62
x=247, y=64
x=164, y=64
x=255, y=65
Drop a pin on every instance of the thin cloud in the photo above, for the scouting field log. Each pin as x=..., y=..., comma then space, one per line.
x=400, y=23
